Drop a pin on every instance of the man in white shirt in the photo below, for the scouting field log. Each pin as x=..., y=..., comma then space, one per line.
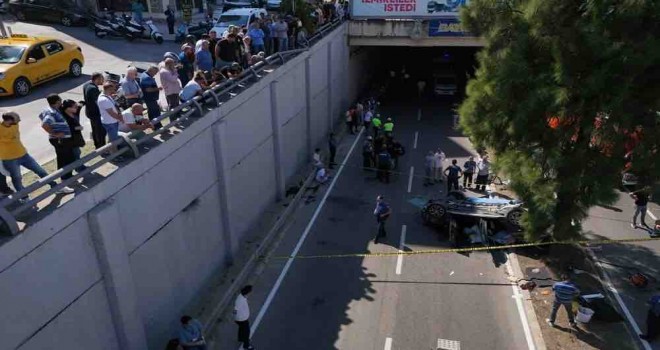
x=438, y=160
x=134, y=119
x=110, y=116
x=367, y=120
x=242, y=317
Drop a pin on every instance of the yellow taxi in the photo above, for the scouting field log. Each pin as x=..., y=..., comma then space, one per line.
x=26, y=61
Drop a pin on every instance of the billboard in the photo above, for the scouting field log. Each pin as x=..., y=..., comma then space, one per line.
x=406, y=8
x=450, y=26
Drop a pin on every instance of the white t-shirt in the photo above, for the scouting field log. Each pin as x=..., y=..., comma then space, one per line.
x=368, y=116
x=106, y=102
x=241, y=309
x=321, y=175
x=129, y=118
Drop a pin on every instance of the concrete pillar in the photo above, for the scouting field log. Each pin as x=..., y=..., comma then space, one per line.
x=308, y=106
x=277, y=142
x=105, y=226
x=331, y=114
x=219, y=131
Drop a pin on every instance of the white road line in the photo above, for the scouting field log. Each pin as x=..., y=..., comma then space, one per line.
x=626, y=312
x=521, y=311
x=419, y=114
x=287, y=266
x=402, y=243
x=416, y=136
x=388, y=343
x=410, y=178
x=648, y=211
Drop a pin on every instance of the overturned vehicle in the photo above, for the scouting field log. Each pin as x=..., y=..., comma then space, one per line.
x=435, y=211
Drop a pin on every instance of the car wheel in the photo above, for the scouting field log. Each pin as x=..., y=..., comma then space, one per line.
x=20, y=15
x=75, y=68
x=514, y=216
x=22, y=87
x=435, y=212
x=66, y=21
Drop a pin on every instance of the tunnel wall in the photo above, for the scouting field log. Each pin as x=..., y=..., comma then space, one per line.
x=115, y=267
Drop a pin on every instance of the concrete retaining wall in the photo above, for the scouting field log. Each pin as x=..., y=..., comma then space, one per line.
x=115, y=267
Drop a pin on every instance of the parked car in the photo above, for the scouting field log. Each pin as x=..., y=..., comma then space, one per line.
x=230, y=4
x=457, y=203
x=237, y=17
x=3, y=6
x=273, y=5
x=28, y=61
x=445, y=84
x=65, y=12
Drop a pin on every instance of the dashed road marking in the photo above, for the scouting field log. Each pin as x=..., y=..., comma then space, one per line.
x=416, y=136
x=446, y=344
x=410, y=178
x=419, y=114
x=388, y=343
x=402, y=243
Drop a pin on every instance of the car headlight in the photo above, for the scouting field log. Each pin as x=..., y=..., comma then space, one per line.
x=2, y=76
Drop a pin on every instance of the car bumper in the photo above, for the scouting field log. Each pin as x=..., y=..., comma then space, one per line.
x=445, y=93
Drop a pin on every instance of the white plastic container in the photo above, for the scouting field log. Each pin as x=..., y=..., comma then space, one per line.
x=584, y=314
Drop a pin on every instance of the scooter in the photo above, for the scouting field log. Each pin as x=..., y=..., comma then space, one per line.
x=147, y=31
x=121, y=26
x=154, y=33
x=105, y=27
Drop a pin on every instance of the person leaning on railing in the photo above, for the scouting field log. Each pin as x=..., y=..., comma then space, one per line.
x=14, y=155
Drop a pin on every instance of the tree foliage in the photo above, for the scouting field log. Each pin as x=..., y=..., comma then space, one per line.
x=560, y=88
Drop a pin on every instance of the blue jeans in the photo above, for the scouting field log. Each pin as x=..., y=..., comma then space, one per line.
x=569, y=310
x=283, y=44
x=112, y=130
x=14, y=168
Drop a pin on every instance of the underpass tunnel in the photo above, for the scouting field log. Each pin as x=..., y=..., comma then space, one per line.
x=444, y=72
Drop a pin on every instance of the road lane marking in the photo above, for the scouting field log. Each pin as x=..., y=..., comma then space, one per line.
x=624, y=308
x=446, y=344
x=648, y=211
x=402, y=243
x=296, y=249
x=521, y=311
x=416, y=136
x=419, y=114
x=410, y=178
x=388, y=343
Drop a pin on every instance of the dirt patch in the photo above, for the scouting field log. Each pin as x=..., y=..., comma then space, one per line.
x=593, y=335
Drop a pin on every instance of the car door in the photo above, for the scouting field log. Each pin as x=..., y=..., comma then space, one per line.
x=36, y=64
x=36, y=9
x=57, y=63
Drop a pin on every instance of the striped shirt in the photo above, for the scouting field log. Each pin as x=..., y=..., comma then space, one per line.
x=56, y=121
x=565, y=292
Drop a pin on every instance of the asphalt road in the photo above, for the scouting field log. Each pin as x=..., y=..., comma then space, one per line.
x=384, y=302
x=112, y=55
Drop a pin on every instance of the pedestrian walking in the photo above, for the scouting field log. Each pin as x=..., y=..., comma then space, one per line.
x=384, y=165
x=565, y=293
x=151, y=94
x=429, y=168
x=652, y=319
x=468, y=171
x=377, y=124
x=368, y=156
x=453, y=173
x=190, y=334
x=382, y=213
x=14, y=155
x=91, y=94
x=170, y=18
x=332, y=148
x=641, y=202
x=242, y=317
x=438, y=160
x=483, y=171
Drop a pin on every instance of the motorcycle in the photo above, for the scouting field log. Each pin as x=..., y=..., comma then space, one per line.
x=197, y=30
x=103, y=27
x=154, y=33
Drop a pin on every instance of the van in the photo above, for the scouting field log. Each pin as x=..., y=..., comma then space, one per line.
x=240, y=17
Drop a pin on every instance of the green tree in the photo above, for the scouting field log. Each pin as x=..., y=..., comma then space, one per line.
x=560, y=87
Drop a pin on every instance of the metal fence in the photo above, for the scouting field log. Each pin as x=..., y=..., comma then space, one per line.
x=11, y=207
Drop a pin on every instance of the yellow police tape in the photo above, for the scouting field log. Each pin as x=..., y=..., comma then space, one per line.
x=463, y=250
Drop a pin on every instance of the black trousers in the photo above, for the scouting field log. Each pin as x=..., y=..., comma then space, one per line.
x=652, y=325
x=98, y=131
x=367, y=160
x=384, y=174
x=4, y=188
x=244, y=333
x=333, y=153
x=452, y=182
x=381, y=230
x=170, y=27
x=64, y=153
x=467, y=179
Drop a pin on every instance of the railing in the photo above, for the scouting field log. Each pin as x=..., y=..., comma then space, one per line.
x=126, y=145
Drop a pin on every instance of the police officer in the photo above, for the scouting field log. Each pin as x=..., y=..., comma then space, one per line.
x=377, y=123
x=384, y=165
x=388, y=127
x=382, y=213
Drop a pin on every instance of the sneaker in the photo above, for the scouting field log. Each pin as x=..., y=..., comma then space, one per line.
x=634, y=226
x=66, y=190
x=549, y=322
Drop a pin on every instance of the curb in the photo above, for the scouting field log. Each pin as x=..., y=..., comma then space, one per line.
x=532, y=319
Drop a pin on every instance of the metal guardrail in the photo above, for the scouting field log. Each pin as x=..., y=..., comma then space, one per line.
x=127, y=145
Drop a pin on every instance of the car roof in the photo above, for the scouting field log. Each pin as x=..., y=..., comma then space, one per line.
x=243, y=11
x=24, y=40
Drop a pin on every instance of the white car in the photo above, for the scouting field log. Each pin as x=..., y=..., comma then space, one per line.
x=445, y=84
x=240, y=17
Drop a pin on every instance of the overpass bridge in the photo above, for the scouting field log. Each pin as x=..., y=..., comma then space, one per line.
x=111, y=267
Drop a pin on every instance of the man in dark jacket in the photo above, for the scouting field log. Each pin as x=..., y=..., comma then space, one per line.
x=170, y=18
x=225, y=51
x=91, y=94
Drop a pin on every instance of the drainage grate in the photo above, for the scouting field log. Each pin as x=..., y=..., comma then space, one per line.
x=446, y=344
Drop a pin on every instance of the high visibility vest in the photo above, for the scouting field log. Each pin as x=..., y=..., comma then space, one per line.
x=377, y=123
x=388, y=127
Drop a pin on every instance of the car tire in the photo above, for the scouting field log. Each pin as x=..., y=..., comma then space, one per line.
x=66, y=21
x=513, y=217
x=20, y=15
x=75, y=68
x=22, y=87
x=433, y=213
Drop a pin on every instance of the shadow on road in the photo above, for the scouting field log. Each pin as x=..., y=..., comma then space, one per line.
x=40, y=92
